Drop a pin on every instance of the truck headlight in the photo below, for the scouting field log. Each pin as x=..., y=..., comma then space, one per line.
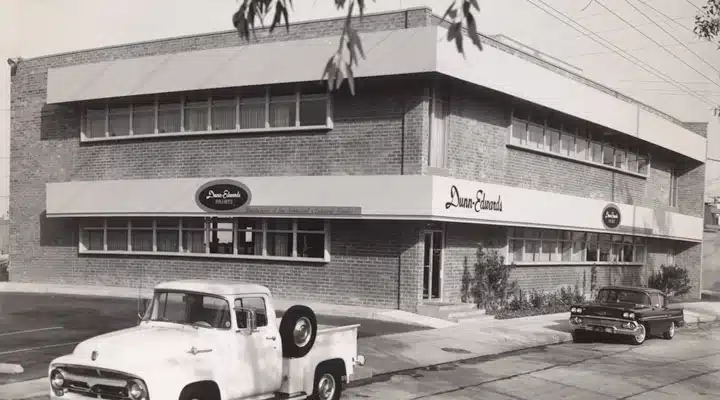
x=137, y=390
x=57, y=379
x=629, y=315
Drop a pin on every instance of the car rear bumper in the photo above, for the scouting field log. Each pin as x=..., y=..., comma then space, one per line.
x=605, y=325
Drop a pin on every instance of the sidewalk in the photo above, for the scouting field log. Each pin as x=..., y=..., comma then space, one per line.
x=399, y=352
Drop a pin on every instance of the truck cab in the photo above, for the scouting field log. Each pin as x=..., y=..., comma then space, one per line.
x=211, y=340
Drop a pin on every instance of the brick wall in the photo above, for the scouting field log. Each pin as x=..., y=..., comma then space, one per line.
x=377, y=132
x=367, y=257
x=479, y=131
x=462, y=241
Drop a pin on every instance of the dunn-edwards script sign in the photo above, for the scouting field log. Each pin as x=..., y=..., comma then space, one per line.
x=479, y=203
x=224, y=195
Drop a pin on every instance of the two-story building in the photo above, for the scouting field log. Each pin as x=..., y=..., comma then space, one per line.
x=205, y=156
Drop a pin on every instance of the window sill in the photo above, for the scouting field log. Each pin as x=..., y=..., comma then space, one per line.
x=206, y=255
x=576, y=263
x=577, y=160
x=84, y=139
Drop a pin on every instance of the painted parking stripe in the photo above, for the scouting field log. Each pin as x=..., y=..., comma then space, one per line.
x=37, y=348
x=30, y=331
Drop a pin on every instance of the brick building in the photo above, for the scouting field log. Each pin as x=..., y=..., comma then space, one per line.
x=121, y=155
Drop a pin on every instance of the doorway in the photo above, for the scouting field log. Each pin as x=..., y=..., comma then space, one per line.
x=432, y=264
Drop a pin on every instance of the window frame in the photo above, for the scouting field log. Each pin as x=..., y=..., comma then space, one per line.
x=160, y=104
x=518, y=234
x=207, y=231
x=673, y=189
x=574, y=130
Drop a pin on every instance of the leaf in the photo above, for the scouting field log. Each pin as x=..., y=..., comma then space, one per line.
x=358, y=42
x=278, y=16
x=450, y=11
x=340, y=78
x=328, y=71
x=472, y=31
x=351, y=78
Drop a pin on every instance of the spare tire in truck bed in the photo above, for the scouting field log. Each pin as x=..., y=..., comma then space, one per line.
x=298, y=330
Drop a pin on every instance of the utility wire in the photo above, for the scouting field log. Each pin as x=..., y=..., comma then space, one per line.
x=693, y=4
x=638, y=63
x=675, y=20
x=654, y=41
x=670, y=34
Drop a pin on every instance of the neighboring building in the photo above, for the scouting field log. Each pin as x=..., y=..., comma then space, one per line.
x=378, y=199
x=711, y=247
x=4, y=235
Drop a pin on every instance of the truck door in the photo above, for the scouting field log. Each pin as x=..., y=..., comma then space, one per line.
x=263, y=347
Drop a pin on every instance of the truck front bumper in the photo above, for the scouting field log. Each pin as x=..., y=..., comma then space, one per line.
x=605, y=325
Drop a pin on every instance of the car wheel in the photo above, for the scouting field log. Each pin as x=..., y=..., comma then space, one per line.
x=670, y=333
x=640, y=336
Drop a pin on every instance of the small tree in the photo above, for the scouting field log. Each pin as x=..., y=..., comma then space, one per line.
x=492, y=286
x=671, y=279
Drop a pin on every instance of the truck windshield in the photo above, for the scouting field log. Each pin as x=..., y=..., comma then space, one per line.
x=195, y=309
x=623, y=296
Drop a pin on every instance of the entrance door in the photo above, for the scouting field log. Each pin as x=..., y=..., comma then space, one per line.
x=432, y=266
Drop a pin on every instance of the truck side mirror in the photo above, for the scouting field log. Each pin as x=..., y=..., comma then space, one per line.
x=250, y=321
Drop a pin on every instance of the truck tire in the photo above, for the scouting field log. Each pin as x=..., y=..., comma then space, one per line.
x=327, y=384
x=298, y=330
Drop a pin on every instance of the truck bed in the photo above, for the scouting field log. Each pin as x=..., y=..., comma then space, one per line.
x=332, y=342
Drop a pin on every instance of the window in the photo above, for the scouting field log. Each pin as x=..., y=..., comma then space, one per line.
x=623, y=296
x=532, y=245
x=673, y=188
x=141, y=234
x=439, y=111
x=301, y=238
x=189, y=309
x=657, y=300
x=257, y=304
x=249, y=109
x=568, y=137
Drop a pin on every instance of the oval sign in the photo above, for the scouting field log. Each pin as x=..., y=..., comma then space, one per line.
x=223, y=195
x=611, y=216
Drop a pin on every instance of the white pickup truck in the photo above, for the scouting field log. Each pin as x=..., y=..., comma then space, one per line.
x=211, y=340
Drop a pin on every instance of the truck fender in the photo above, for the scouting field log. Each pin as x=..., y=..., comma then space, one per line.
x=177, y=381
x=335, y=363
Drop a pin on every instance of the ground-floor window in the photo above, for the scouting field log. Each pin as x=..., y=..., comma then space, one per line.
x=534, y=245
x=297, y=238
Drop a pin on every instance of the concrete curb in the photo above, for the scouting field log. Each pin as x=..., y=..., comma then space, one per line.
x=11, y=368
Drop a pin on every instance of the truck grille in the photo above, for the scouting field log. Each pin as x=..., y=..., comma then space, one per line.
x=96, y=383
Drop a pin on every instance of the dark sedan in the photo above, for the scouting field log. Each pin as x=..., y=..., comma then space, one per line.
x=634, y=312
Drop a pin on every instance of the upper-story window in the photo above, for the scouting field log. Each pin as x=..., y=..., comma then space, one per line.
x=538, y=129
x=673, y=200
x=439, y=127
x=221, y=111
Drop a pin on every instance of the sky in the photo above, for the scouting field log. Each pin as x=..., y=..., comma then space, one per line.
x=678, y=73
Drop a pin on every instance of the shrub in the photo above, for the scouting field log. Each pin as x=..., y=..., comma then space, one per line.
x=491, y=286
x=4, y=276
x=671, y=280
x=539, y=303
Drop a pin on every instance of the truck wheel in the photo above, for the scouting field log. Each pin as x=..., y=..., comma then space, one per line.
x=328, y=384
x=298, y=329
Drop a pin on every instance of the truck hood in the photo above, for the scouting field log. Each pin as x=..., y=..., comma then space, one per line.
x=145, y=344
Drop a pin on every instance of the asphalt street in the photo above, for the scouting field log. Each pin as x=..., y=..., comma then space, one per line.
x=686, y=367
x=35, y=328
